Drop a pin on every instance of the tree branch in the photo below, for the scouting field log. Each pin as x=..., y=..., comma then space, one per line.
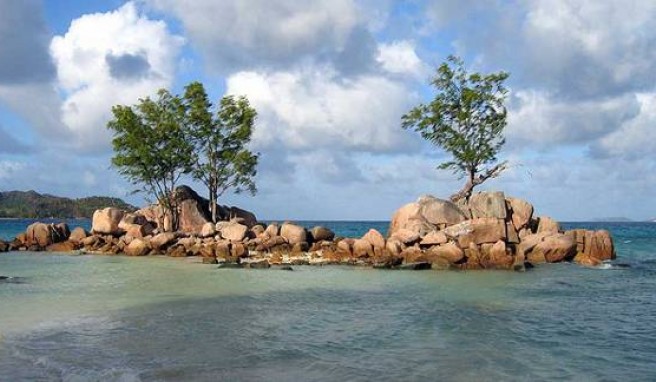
x=468, y=188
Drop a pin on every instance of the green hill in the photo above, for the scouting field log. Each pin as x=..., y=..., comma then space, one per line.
x=31, y=204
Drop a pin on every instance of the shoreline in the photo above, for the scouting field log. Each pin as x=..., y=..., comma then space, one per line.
x=491, y=231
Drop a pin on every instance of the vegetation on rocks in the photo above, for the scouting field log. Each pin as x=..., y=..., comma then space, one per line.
x=466, y=119
x=156, y=142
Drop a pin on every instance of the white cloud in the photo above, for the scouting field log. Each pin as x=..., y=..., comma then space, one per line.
x=9, y=169
x=591, y=48
x=260, y=33
x=636, y=138
x=106, y=59
x=544, y=120
x=400, y=57
x=313, y=108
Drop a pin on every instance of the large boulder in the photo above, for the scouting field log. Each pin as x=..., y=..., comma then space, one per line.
x=163, y=240
x=135, y=225
x=587, y=260
x=407, y=236
x=245, y=217
x=137, y=247
x=434, y=238
x=521, y=212
x=599, y=245
x=409, y=217
x=272, y=230
x=477, y=231
x=78, y=234
x=530, y=241
x=106, y=221
x=362, y=248
x=232, y=231
x=208, y=230
x=499, y=256
x=375, y=238
x=294, y=234
x=547, y=225
x=63, y=231
x=322, y=233
x=130, y=219
x=64, y=246
x=488, y=205
x=155, y=215
x=440, y=212
x=192, y=216
x=449, y=252
x=427, y=214
x=553, y=249
x=42, y=235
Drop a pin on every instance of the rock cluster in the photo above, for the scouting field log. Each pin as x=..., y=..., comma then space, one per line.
x=491, y=231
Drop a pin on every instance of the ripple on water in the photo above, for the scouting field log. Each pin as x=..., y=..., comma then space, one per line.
x=152, y=319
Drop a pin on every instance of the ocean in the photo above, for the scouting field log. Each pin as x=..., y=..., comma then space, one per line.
x=114, y=318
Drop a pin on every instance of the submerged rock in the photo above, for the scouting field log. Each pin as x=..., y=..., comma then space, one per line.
x=419, y=266
x=230, y=266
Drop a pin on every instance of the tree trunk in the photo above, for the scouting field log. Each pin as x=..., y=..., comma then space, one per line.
x=213, y=197
x=474, y=181
x=213, y=208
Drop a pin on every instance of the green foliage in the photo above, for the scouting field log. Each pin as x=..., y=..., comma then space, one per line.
x=30, y=204
x=466, y=119
x=150, y=147
x=222, y=160
x=158, y=141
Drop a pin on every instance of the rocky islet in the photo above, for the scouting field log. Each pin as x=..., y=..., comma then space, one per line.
x=490, y=231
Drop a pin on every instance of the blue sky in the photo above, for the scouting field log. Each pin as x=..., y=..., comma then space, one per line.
x=330, y=80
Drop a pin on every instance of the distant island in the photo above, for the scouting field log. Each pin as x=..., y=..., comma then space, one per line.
x=613, y=220
x=31, y=204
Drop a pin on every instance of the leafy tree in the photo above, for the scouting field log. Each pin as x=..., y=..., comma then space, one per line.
x=222, y=160
x=150, y=147
x=466, y=119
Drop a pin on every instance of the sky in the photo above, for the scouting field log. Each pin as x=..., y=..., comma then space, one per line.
x=330, y=80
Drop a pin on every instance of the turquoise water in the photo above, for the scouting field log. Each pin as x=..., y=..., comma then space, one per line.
x=109, y=318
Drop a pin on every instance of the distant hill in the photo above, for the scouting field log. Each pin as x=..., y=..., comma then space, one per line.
x=31, y=204
x=613, y=220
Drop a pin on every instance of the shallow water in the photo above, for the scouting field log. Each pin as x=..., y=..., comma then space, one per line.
x=79, y=318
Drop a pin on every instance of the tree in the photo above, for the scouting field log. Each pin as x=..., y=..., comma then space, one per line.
x=150, y=147
x=221, y=161
x=466, y=119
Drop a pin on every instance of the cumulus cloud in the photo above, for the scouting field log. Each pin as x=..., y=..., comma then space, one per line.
x=636, y=138
x=591, y=48
x=314, y=108
x=544, y=120
x=24, y=41
x=106, y=59
x=400, y=57
x=234, y=35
